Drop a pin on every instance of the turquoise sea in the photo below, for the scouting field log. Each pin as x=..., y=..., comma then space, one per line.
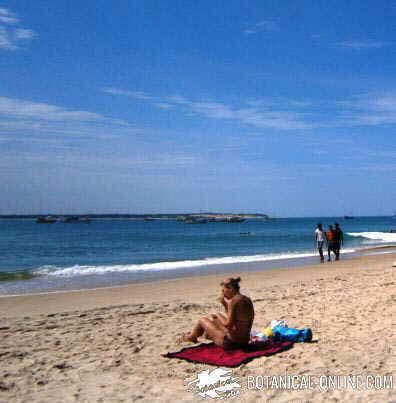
x=49, y=257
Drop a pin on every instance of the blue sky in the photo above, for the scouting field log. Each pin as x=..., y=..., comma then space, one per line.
x=279, y=107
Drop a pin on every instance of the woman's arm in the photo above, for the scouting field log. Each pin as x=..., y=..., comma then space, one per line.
x=231, y=314
x=223, y=302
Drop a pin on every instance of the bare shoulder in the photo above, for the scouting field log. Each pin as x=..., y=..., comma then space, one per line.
x=246, y=301
x=245, y=298
x=235, y=300
x=241, y=300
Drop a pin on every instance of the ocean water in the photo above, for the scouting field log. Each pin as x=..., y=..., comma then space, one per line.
x=49, y=257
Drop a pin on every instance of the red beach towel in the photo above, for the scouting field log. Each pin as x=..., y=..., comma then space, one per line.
x=209, y=353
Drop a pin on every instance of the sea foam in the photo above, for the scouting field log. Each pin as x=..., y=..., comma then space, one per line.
x=78, y=270
x=375, y=236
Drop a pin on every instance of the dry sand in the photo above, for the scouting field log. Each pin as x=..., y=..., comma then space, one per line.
x=106, y=345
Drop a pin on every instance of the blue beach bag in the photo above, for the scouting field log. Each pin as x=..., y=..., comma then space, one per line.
x=291, y=334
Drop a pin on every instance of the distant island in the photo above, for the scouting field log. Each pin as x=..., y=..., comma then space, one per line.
x=180, y=217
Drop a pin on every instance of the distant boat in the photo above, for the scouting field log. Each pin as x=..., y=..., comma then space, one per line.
x=348, y=217
x=46, y=220
x=230, y=220
x=235, y=219
x=195, y=220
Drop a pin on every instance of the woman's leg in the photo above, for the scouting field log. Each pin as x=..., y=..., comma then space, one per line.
x=212, y=331
x=219, y=319
x=223, y=316
x=197, y=331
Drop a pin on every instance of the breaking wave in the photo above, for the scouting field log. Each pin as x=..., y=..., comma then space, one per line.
x=79, y=270
x=381, y=237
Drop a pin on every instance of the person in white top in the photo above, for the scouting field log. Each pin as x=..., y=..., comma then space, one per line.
x=320, y=238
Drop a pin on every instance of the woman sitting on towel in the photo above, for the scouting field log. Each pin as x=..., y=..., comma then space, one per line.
x=231, y=330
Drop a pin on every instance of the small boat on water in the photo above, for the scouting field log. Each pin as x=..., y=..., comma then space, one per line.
x=195, y=220
x=46, y=220
x=230, y=220
x=235, y=219
x=348, y=217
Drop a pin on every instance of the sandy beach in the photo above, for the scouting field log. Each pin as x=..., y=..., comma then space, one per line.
x=106, y=345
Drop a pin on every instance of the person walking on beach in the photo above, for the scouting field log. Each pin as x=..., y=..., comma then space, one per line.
x=330, y=242
x=232, y=329
x=320, y=238
x=338, y=240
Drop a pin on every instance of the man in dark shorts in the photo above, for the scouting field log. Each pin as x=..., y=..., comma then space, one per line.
x=330, y=242
x=338, y=240
x=319, y=238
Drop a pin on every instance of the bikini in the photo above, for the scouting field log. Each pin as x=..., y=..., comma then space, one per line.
x=228, y=344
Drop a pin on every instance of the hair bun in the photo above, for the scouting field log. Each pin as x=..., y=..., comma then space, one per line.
x=231, y=282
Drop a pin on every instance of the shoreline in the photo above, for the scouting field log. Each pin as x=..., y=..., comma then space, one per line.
x=210, y=269
x=90, y=298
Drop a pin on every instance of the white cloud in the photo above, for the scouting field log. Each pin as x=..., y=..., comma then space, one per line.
x=212, y=110
x=279, y=103
x=6, y=41
x=264, y=25
x=261, y=118
x=371, y=109
x=281, y=113
x=19, y=117
x=7, y=16
x=13, y=107
x=23, y=33
x=281, y=120
x=163, y=105
x=363, y=44
x=177, y=99
x=141, y=163
x=268, y=25
x=383, y=103
x=131, y=94
x=258, y=115
x=12, y=35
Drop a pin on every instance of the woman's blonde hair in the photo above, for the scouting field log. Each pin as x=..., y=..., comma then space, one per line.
x=231, y=282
